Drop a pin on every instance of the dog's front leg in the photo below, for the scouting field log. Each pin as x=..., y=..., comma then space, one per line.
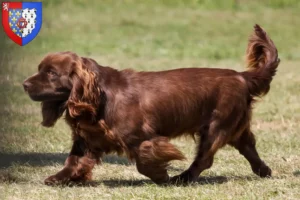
x=78, y=165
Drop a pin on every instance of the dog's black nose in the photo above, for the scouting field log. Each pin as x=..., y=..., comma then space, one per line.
x=26, y=85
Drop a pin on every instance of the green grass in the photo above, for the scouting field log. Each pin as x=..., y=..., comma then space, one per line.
x=153, y=35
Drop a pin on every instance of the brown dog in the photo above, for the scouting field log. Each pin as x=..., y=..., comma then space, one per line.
x=138, y=112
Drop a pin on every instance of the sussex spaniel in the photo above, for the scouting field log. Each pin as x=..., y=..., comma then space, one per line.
x=136, y=113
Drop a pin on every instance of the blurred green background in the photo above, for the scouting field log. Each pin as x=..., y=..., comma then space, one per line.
x=153, y=35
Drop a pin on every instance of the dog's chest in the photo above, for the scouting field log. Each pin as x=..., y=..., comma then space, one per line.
x=98, y=136
x=92, y=133
x=86, y=128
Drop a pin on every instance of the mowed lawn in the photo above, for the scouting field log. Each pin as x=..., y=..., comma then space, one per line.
x=153, y=35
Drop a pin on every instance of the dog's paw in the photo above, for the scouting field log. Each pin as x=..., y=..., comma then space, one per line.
x=55, y=180
x=184, y=178
x=62, y=177
x=263, y=171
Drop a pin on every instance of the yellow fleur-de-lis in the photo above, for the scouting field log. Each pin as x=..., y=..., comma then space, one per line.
x=18, y=13
x=14, y=30
x=10, y=13
x=14, y=19
x=10, y=24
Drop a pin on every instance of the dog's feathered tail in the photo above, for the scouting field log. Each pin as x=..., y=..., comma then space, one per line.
x=262, y=60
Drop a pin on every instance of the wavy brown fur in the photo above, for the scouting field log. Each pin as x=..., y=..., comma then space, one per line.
x=262, y=60
x=85, y=94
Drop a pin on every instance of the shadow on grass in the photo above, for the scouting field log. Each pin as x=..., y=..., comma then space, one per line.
x=209, y=180
x=204, y=180
x=296, y=173
x=31, y=159
x=7, y=176
x=112, y=183
x=47, y=159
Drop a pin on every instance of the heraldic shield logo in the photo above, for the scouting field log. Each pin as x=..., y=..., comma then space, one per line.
x=22, y=21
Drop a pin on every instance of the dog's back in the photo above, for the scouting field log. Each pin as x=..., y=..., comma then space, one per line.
x=179, y=101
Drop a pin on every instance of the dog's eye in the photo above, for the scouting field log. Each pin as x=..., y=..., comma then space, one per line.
x=52, y=73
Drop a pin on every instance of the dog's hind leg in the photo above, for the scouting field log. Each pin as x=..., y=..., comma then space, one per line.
x=153, y=157
x=212, y=139
x=246, y=146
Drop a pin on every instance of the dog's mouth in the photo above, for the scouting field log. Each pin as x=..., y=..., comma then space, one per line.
x=38, y=97
x=47, y=94
x=61, y=96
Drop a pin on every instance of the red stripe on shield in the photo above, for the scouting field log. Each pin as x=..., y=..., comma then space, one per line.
x=5, y=20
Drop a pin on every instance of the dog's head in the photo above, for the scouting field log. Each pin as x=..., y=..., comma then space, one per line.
x=64, y=80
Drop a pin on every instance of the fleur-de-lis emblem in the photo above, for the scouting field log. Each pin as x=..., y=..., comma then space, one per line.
x=14, y=19
x=18, y=13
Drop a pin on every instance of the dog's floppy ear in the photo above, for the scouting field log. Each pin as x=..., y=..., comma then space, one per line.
x=51, y=111
x=85, y=94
